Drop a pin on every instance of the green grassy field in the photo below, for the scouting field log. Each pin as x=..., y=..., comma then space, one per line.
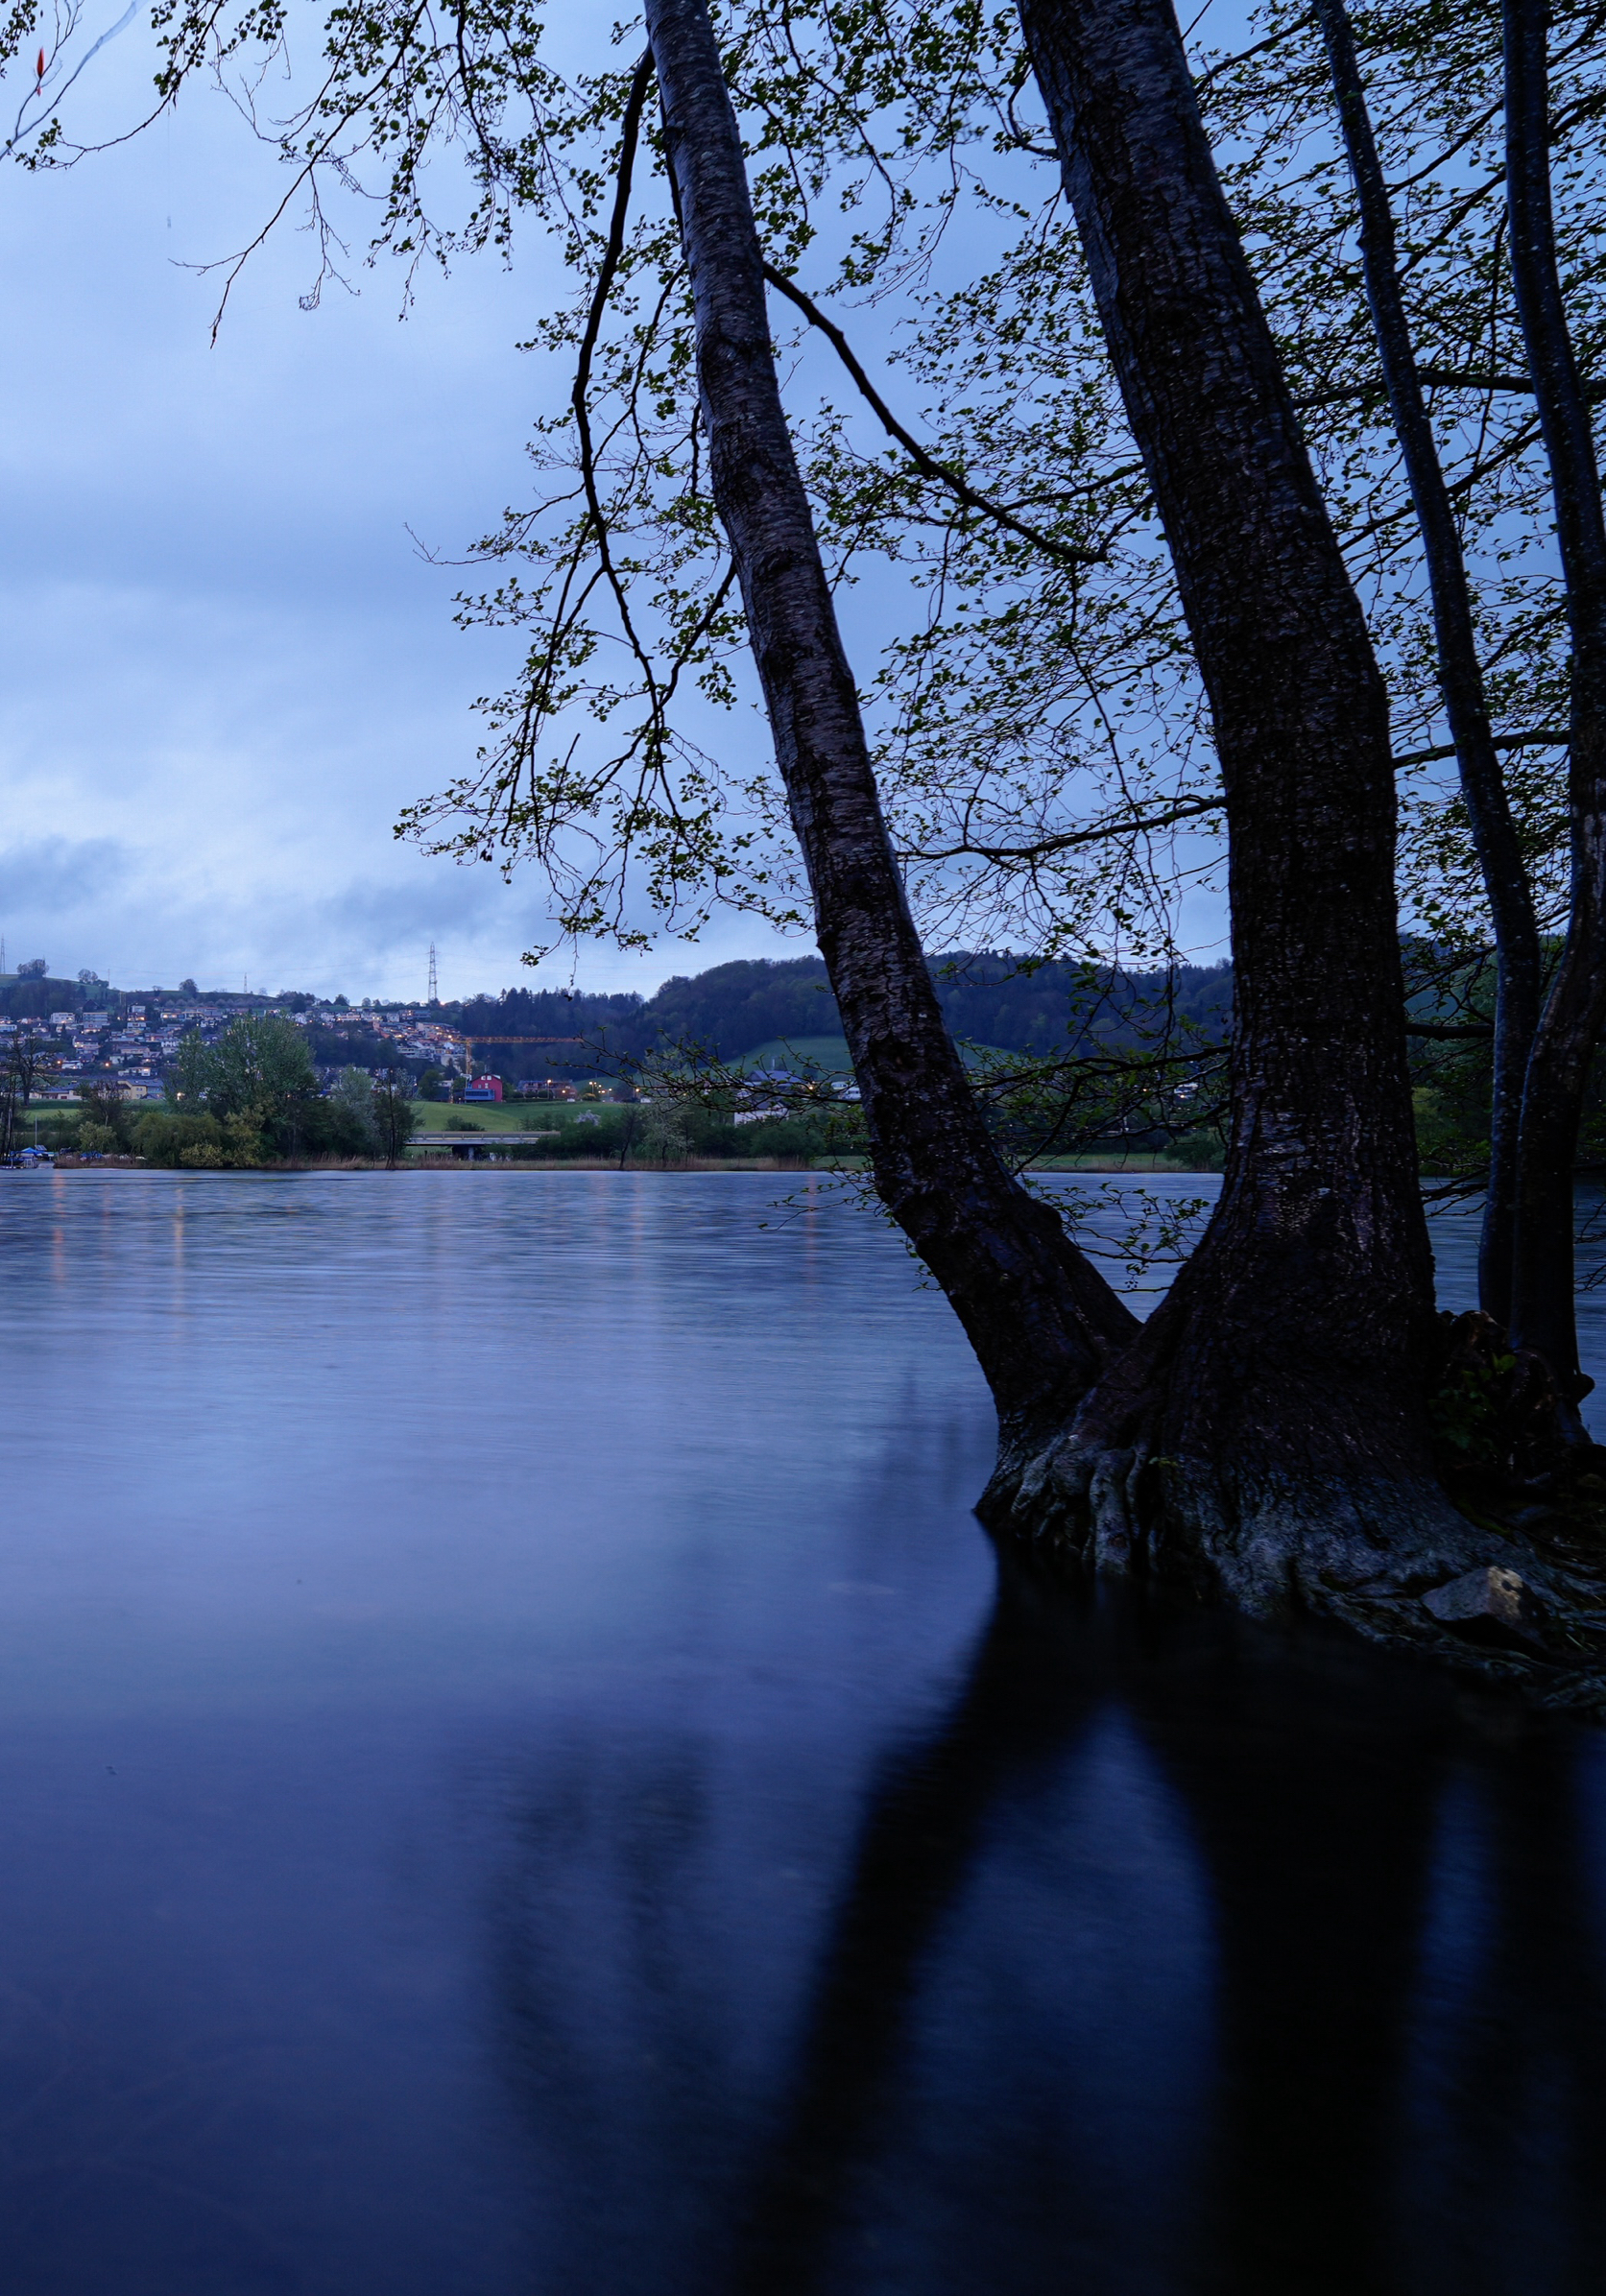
x=507, y=1115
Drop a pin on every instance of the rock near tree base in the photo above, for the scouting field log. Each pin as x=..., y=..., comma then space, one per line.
x=1493, y=1604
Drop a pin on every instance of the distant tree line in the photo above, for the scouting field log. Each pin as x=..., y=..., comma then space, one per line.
x=1052, y=1008
x=31, y=996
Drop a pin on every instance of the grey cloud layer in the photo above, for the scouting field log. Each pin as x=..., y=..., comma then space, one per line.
x=226, y=666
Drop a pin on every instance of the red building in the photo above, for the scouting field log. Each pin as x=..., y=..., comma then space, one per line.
x=483, y=1087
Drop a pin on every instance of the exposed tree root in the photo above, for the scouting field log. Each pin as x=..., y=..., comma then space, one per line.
x=1490, y=1558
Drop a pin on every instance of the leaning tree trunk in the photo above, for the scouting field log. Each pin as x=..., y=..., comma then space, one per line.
x=1264, y=1433
x=1543, y=1316
x=1268, y=1428
x=1519, y=967
x=1041, y=1318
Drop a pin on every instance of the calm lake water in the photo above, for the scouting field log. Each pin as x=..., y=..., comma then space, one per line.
x=519, y=1778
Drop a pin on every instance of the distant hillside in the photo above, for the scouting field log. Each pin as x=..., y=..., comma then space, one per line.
x=1062, y=1007
x=732, y=1009
x=31, y=997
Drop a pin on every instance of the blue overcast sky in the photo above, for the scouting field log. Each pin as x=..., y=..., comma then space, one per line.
x=226, y=666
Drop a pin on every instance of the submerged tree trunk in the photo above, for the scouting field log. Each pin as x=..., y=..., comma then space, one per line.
x=1500, y=856
x=1269, y=1425
x=1266, y=1433
x=1543, y=1316
x=1041, y=1318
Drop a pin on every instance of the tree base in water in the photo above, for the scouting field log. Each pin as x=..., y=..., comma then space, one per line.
x=1479, y=1569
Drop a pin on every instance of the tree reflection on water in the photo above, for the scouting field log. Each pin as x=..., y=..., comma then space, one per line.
x=1176, y=1956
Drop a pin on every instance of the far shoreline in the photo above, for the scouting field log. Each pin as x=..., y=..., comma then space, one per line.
x=1059, y=1166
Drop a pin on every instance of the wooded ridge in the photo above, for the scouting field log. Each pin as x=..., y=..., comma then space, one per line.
x=987, y=999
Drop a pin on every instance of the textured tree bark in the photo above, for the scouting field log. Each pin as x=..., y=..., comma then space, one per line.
x=1543, y=1316
x=1505, y=877
x=1041, y=1318
x=1264, y=1435
x=1267, y=1429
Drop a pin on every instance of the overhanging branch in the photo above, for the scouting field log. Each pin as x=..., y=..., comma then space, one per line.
x=1543, y=737
x=1438, y=378
x=922, y=457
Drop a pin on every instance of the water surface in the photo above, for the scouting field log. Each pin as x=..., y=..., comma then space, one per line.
x=517, y=1774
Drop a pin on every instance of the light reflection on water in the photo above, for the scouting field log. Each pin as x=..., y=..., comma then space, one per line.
x=517, y=1776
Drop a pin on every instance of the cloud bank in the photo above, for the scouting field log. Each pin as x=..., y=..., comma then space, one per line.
x=225, y=665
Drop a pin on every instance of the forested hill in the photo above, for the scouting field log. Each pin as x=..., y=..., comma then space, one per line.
x=987, y=1001
x=732, y=1009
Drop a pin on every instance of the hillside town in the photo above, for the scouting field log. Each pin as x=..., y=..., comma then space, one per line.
x=130, y=1041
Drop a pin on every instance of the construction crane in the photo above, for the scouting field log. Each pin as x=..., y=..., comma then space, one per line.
x=469, y=1043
